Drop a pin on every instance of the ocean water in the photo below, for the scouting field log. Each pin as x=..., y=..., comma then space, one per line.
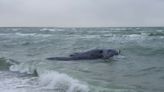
x=139, y=67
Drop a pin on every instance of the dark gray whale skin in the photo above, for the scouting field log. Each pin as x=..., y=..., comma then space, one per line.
x=89, y=55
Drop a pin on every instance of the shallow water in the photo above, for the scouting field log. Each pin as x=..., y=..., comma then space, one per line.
x=139, y=67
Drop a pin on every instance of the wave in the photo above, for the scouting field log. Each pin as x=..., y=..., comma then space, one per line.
x=58, y=82
x=156, y=34
x=47, y=29
x=28, y=68
x=48, y=80
x=19, y=34
x=10, y=82
x=112, y=36
x=61, y=82
x=53, y=80
x=32, y=34
x=6, y=63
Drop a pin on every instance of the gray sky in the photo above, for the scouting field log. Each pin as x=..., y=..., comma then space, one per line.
x=83, y=13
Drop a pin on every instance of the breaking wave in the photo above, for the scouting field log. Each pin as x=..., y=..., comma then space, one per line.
x=52, y=80
x=61, y=82
x=19, y=34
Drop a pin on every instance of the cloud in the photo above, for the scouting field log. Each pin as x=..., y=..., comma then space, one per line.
x=81, y=12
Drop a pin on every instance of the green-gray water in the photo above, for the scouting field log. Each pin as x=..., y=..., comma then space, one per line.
x=139, y=67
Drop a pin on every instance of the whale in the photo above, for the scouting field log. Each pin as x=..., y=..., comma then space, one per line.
x=89, y=55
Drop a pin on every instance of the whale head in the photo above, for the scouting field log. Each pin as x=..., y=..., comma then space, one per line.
x=108, y=53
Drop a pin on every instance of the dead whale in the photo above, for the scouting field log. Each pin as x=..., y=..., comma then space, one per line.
x=89, y=55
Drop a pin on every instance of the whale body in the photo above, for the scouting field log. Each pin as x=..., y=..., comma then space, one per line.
x=89, y=55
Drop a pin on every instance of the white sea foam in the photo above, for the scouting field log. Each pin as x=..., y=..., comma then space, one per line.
x=118, y=29
x=15, y=29
x=135, y=37
x=47, y=29
x=51, y=80
x=160, y=30
x=19, y=34
x=10, y=82
x=90, y=36
x=32, y=34
x=127, y=38
x=61, y=82
x=28, y=68
x=23, y=34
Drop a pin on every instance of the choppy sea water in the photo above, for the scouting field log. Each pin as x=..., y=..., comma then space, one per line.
x=139, y=67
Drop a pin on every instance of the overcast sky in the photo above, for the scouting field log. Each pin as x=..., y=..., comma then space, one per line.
x=83, y=13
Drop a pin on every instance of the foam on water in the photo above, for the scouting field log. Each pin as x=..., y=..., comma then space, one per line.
x=28, y=68
x=22, y=34
x=135, y=36
x=128, y=38
x=32, y=34
x=53, y=80
x=11, y=82
x=61, y=82
x=47, y=29
x=160, y=30
x=19, y=34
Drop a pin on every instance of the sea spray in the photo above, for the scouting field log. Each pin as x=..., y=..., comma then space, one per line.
x=61, y=82
x=26, y=67
x=48, y=79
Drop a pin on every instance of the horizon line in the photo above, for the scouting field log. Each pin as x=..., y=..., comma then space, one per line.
x=83, y=26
